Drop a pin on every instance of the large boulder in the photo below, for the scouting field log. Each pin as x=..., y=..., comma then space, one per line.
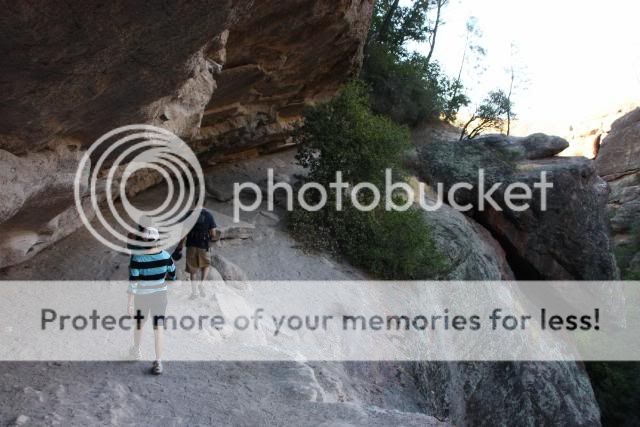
x=540, y=146
x=470, y=252
x=618, y=162
x=620, y=150
x=533, y=147
x=568, y=239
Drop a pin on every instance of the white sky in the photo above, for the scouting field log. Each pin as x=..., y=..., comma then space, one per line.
x=581, y=57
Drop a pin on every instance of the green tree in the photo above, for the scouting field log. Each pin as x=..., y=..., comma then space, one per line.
x=492, y=113
x=433, y=33
x=344, y=135
x=393, y=25
x=407, y=86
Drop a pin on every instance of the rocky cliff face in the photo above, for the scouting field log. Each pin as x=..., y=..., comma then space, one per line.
x=585, y=136
x=618, y=162
x=281, y=57
x=509, y=393
x=81, y=69
x=568, y=239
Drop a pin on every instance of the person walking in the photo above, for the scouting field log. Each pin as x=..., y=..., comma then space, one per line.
x=198, y=240
x=148, y=271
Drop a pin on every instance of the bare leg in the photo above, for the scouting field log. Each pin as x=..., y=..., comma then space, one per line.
x=205, y=273
x=194, y=278
x=137, y=333
x=159, y=341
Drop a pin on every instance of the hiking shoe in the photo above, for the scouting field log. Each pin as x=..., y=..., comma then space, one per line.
x=156, y=368
x=135, y=353
x=193, y=295
x=202, y=293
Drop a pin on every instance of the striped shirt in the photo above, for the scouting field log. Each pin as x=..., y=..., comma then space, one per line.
x=147, y=273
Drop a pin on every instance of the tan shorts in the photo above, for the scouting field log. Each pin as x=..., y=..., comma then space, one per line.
x=197, y=258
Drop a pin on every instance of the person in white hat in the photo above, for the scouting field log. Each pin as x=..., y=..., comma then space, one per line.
x=148, y=271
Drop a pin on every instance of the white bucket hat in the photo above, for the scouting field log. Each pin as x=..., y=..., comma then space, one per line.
x=150, y=234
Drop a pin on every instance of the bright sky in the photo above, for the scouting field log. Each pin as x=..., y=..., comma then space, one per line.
x=581, y=58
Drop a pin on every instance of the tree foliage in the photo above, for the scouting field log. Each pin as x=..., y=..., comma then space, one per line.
x=344, y=135
x=407, y=86
x=393, y=25
x=492, y=113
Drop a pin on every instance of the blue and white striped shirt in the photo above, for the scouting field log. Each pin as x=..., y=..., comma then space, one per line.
x=147, y=273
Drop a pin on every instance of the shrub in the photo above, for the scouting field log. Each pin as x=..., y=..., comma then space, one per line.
x=343, y=135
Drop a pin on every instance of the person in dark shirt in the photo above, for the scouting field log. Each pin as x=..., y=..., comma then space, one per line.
x=198, y=249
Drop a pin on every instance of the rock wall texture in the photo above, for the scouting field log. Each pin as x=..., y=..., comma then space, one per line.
x=469, y=249
x=222, y=74
x=561, y=243
x=618, y=162
x=83, y=68
x=509, y=393
x=279, y=58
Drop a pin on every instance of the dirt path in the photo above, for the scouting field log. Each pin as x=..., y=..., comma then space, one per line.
x=212, y=393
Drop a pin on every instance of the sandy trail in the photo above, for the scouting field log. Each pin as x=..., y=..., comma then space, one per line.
x=206, y=393
x=190, y=394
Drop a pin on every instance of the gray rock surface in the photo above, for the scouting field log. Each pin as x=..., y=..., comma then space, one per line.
x=507, y=393
x=618, y=162
x=567, y=240
x=229, y=271
x=36, y=201
x=239, y=394
x=532, y=147
x=85, y=68
x=620, y=151
x=540, y=146
x=469, y=249
x=222, y=393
